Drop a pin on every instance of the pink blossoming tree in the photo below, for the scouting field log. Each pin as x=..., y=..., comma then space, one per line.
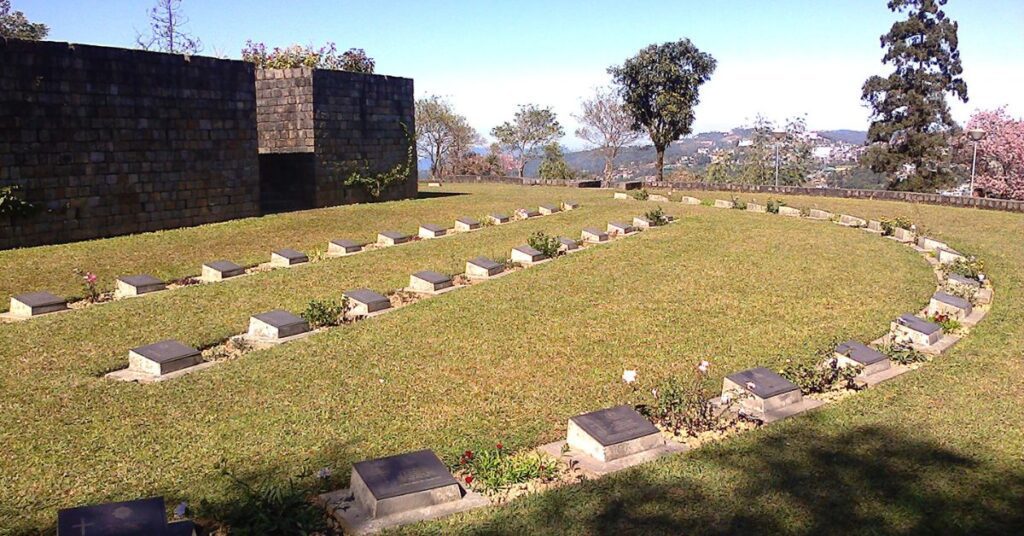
x=1000, y=167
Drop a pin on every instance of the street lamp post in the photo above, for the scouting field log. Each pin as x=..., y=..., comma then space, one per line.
x=976, y=136
x=778, y=136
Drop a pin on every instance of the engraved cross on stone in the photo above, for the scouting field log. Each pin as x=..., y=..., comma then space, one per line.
x=82, y=525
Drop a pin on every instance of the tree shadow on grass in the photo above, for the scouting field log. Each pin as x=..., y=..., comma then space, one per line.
x=872, y=480
x=432, y=195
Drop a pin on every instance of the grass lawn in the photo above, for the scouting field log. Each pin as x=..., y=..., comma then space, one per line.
x=938, y=450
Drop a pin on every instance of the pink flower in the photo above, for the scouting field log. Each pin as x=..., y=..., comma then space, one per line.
x=703, y=367
x=90, y=277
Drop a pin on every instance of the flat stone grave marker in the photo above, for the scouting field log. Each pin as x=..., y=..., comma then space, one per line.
x=464, y=224
x=526, y=255
x=903, y=235
x=789, y=211
x=128, y=518
x=930, y=244
x=341, y=247
x=658, y=198
x=401, y=483
x=429, y=281
x=641, y=222
x=287, y=257
x=851, y=221
x=221, y=270
x=526, y=213
x=547, y=210
x=276, y=325
x=754, y=207
x=594, y=235
x=631, y=185
x=687, y=200
x=366, y=302
x=162, y=358
x=429, y=230
x=963, y=283
x=854, y=353
x=483, y=268
x=36, y=303
x=948, y=304
x=917, y=331
x=498, y=219
x=817, y=214
x=875, y=226
x=621, y=195
x=570, y=205
x=770, y=397
x=620, y=228
x=613, y=433
x=392, y=238
x=137, y=285
x=721, y=203
x=566, y=245
x=433, y=185
x=948, y=256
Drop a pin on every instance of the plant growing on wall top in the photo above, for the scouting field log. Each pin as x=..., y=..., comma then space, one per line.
x=326, y=57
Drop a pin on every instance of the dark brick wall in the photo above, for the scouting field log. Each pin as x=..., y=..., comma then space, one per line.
x=113, y=141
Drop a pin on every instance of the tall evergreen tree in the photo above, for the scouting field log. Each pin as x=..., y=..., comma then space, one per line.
x=911, y=124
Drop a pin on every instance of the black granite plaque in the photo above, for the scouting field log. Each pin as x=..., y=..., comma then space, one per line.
x=485, y=263
x=347, y=245
x=615, y=425
x=767, y=383
x=626, y=228
x=403, y=474
x=433, y=228
x=528, y=251
x=568, y=242
x=40, y=299
x=434, y=278
x=141, y=280
x=500, y=217
x=955, y=301
x=964, y=280
x=571, y=204
x=367, y=296
x=397, y=236
x=130, y=518
x=166, y=351
x=468, y=221
x=284, y=321
x=292, y=255
x=596, y=232
x=226, y=268
x=917, y=324
x=551, y=208
x=861, y=353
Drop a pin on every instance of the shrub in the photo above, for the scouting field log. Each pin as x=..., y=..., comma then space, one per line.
x=902, y=354
x=889, y=225
x=326, y=57
x=946, y=322
x=656, y=217
x=497, y=469
x=707, y=203
x=89, y=282
x=323, y=313
x=825, y=375
x=687, y=405
x=641, y=194
x=971, y=267
x=738, y=203
x=547, y=245
x=266, y=506
x=773, y=205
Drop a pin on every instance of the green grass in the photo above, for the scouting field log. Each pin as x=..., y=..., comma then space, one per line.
x=512, y=359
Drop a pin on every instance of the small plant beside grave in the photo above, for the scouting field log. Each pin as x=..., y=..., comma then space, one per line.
x=265, y=505
x=946, y=322
x=89, y=283
x=961, y=291
x=738, y=203
x=970, y=266
x=325, y=313
x=889, y=225
x=773, y=205
x=823, y=376
x=687, y=407
x=707, y=202
x=902, y=354
x=656, y=217
x=544, y=243
x=496, y=469
x=641, y=195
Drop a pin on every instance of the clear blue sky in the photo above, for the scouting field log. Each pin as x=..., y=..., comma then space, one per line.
x=777, y=58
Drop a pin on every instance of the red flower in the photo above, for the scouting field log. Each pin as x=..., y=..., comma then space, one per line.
x=499, y=446
x=469, y=479
x=468, y=455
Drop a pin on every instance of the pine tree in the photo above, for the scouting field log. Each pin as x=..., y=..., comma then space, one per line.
x=911, y=124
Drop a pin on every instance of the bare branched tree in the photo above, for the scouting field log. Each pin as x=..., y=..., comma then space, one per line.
x=167, y=30
x=607, y=126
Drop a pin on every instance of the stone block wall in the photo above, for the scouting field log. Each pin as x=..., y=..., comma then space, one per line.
x=110, y=141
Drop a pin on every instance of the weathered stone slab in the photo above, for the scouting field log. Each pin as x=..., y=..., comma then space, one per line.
x=687, y=200
x=566, y=245
x=366, y=302
x=526, y=213
x=392, y=238
x=287, y=257
x=768, y=396
x=875, y=226
x=754, y=207
x=526, y=255
x=617, y=227
x=570, y=205
x=483, y=268
x=657, y=198
x=128, y=518
x=429, y=230
x=429, y=281
x=852, y=221
x=465, y=224
x=621, y=195
x=930, y=244
x=817, y=214
x=404, y=482
x=854, y=353
x=721, y=203
x=641, y=222
x=963, y=283
x=498, y=219
x=790, y=211
x=549, y=209
x=341, y=247
x=276, y=325
x=903, y=235
x=137, y=285
x=221, y=270
x=162, y=358
x=918, y=332
x=947, y=304
x=948, y=256
x=612, y=433
x=594, y=236
x=36, y=303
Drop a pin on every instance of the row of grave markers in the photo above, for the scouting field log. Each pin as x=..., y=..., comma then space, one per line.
x=35, y=304
x=416, y=486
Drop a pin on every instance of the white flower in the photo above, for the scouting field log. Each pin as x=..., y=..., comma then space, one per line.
x=629, y=376
x=751, y=386
x=324, y=473
x=981, y=277
x=703, y=366
x=726, y=398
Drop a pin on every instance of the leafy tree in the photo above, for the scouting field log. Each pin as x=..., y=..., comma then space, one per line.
x=554, y=166
x=532, y=128
x=606, y=125
x=167, y=33
x=14, y=24
x=442, y=136
x=911, y=124
x=326, y=57
x=1000, y=165
x=794, y=153
x=660, y=87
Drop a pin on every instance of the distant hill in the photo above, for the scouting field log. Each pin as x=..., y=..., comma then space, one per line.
x=855, y=137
